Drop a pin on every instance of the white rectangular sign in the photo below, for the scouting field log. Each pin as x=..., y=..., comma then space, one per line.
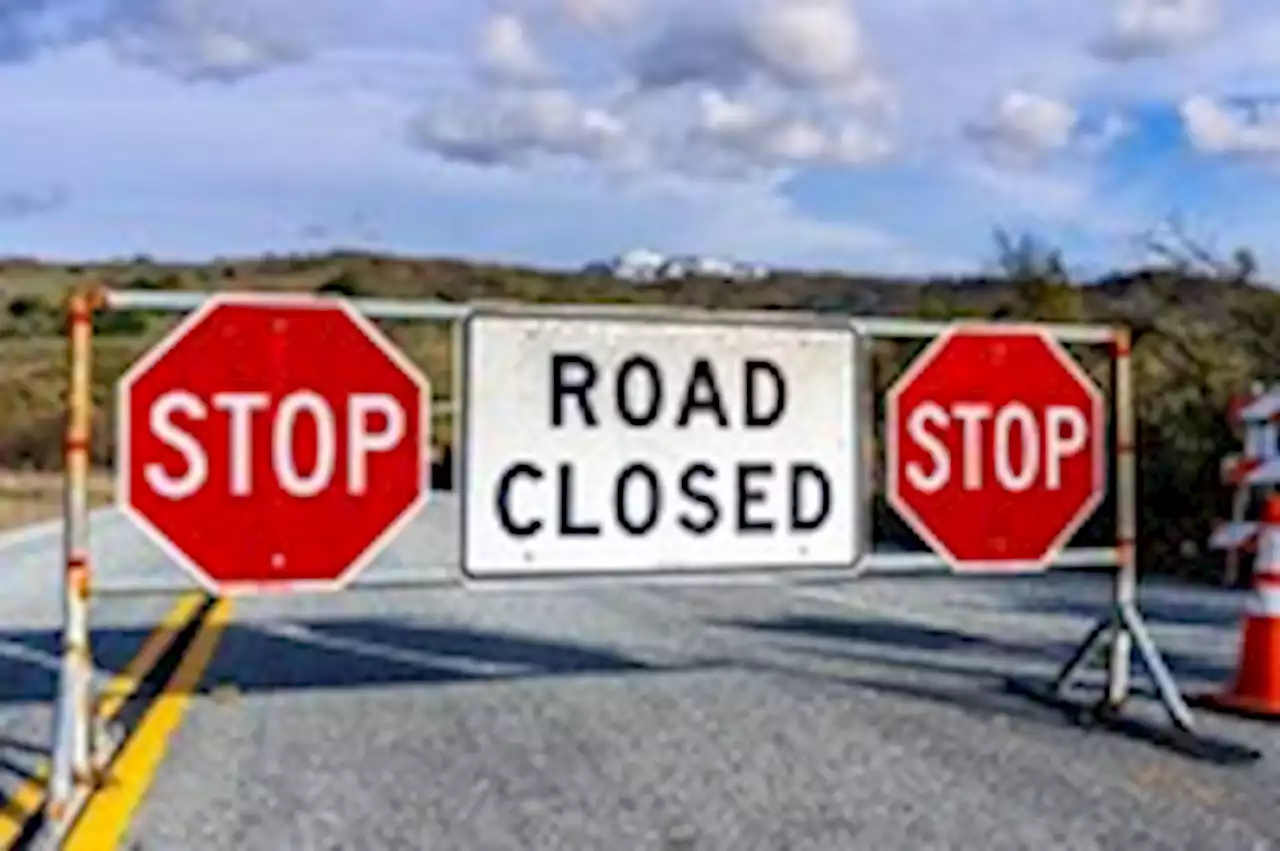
x=597, y=445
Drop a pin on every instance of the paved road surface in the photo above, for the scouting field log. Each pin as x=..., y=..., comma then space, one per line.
x=835, y=716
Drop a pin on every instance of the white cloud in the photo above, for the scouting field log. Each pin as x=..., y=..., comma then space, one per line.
x=508, y=55
x=517, y=126
x=761, y=137
x=721, y=90
x=1220, y=128
x=810, y=46
x=1158, y=27
x=221, y=39
x=189, y=39
x=1024, y=127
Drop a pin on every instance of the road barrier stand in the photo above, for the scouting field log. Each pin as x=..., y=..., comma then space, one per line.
x=1255, y=690
x=722, y=447
x=1123, y=630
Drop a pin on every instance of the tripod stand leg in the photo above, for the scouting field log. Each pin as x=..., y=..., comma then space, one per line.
x=1083, y=654
x=1054, y=693
x=1166, y=686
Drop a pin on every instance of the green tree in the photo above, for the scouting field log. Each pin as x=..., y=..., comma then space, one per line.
x=1041, y=287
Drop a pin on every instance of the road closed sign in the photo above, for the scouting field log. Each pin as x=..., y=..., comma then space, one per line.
x=599, y=444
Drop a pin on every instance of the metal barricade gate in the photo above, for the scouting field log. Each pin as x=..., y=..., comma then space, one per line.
x=81, y=750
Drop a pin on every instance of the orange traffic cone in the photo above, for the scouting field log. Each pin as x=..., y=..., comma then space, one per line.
x=1256, y=689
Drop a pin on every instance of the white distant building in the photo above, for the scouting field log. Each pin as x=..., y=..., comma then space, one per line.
x=639, y=265
x=642, y=266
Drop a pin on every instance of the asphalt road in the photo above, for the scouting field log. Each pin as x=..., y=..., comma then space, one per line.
x=834, y=716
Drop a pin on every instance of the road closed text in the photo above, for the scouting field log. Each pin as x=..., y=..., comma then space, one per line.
x=654, y=453
x=754, y=497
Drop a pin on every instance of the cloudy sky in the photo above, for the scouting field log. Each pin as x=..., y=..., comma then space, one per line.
x=859, y=134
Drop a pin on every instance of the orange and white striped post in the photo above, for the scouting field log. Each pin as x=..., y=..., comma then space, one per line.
x=73, y=746
x=1255, y=690
x=1125, y=580
x=1258, y=415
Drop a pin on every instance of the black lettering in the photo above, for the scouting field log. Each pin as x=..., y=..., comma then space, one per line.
x=755, y=416
x=620, y=501
x=689, y=488
x=568, y=525
x=702, y=394
x=625, y=384
x=503, y=500
x=749, y=495
x=800, y=471
x=572, y=377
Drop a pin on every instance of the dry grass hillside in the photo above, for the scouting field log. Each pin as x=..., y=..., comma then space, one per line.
x=1204, y=330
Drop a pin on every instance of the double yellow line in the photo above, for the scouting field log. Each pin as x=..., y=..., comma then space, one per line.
x=105, y=817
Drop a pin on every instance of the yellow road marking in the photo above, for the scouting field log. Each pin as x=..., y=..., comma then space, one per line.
x=122, y=686
x=27, y=799
x=106, y=817
x=19, y=807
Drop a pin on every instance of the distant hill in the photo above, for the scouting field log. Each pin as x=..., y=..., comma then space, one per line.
x=25, y=280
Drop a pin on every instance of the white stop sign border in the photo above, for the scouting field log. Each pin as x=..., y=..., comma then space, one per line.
x=1097, y=422
x=267, y=300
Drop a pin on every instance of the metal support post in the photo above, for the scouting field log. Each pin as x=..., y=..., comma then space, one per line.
x=73, y=766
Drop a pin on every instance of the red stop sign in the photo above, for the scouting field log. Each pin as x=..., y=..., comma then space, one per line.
x=995, y=443
x=273, y=442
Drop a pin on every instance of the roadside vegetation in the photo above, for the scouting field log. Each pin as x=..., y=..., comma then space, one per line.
x=1204, y=328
